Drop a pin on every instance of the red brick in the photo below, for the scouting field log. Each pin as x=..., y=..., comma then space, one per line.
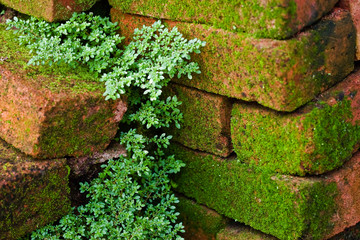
x=315, y=139
x=206, y=124
x=282, y=75
x=50, y=10
x=51, y=112
x=32, y=193
x=354, y=7
x=241, y=232
x=200, y=222
x=284, y=206
x=85, y=169
x=263, y=18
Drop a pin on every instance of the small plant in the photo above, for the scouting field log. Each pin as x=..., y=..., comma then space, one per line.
x=131, y=198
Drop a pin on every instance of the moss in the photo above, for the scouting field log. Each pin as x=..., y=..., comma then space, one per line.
x=76, y=118
x=272, y=19
x=282, y=75
x=50, y=10
x=36, y=194
x=75, y=131
x=206, y=116
x=199, y=220
x=279, y=205
x=57, y=78
x=242, y=232
x=314, y=141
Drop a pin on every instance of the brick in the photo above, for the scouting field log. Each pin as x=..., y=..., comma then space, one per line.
x=279, y=74
x=50, y=10
x=200, y=222
x=354, y=7
x=32, y=193
x=241, y=232
x=206, y=124
x=86, y=168
x=315, y=139
x=286, y=207
x=351, y=233
x=51, y=112
x=278, y=19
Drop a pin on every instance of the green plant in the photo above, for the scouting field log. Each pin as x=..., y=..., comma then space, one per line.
x=131, y=198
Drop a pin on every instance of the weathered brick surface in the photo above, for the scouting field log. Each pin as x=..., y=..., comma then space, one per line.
x=50, y=10
x=32, y=193
x=86, y=168
x=263, y=18
x=315, y=139
x=241, y=232
x=51, y=112
x=200, y=222
x=352, y=233
x=206, y=124
x=282, y=75
x=284, y=206
x=354, y=7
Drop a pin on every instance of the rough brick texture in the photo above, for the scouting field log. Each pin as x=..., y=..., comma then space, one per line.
x=282, y=75
x=315, y=139
x=85, y=169
x=262, y=18
x=52, y=112
x=206, y=124
x=240, y=232
x=284, y=206
x=200, y=222
x=50, y=10
x=32, y=193
x=354, y=7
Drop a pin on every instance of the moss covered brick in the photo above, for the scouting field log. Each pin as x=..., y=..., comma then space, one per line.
x=282, y=75
x=32, y=193
x=51, y=112
x=199, y=221
x=263, y=18
x=241, y=232
x=50, y=10
x=206, y=120
x=284, y=206
x=315, y=139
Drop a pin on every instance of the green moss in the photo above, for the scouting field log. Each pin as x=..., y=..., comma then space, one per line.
x=279, y=205
x=206, y=118
x=315, y=141
x=79, y=119
x=57, y=78
x=38, y=196
x=49, y=10
x=282, y=75
x=199, y=219
x=76, y=133
x=273, y=19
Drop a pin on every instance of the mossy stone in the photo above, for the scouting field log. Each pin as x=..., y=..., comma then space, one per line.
x=282, y=75
x=277, y=19
x=284, y=206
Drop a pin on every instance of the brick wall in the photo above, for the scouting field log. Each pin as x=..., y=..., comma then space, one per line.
x=271, y=126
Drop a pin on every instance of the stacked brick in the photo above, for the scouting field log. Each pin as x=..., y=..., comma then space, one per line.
x=57, y=121
x=50, y=10
x=271, y=125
